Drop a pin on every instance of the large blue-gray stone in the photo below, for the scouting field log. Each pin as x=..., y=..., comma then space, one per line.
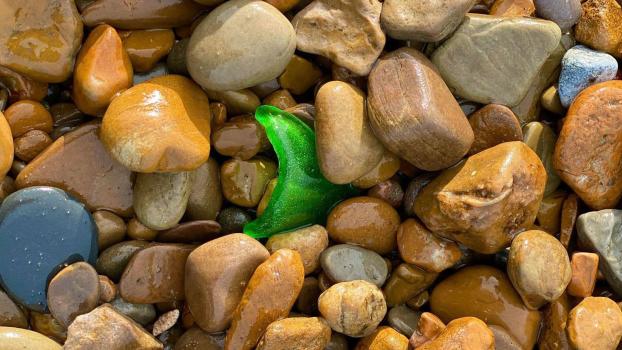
x=582, y=68
x=41, y=229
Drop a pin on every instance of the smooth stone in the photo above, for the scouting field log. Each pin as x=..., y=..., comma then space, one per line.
x=233, y=219
x=113, y=260
x=493, y=124
x=217, y=275
x=296, y=333
x=542, y=139
x=240, y=137
x=353, y=308
x=513, y=8
x=136, y=230
x=346, y=145
x=47, y=325
x=551, y=102
x=21, y=87
x=584, y=274
x=407, y=282
x=478, y=68
x=346, y=32
x=309, y=242
x=6, y=146
x=345, y=262
x=159, y=70
x=205, y=198
x=383, y=338
x=11, y=315
x=220, y=59
x=596, y=323
x=162, y=125
x=237, y=101
x=484, y=202
x=554, y=320
x=486, y=293
x=146, y=47
x=141, y=15
x=72, y=292
x=549, y=215
x=403, y=319
x=338, y=341
x=102, y=70
x=197, y=339
x=463, y=333
x=20, y=339
x=244, y=181
x=107, y=289
x=582, y=68
x=176, y=58
x=281, y=99
x=424, y=21
x=7, y=186
x=270, y=294
x=199, y=231
x=41, y=228
x=600, y=231
x=29, y=145
x=299, y=75
x=388, y=166
x=143, y=314
x=160, y=199
x=539, y=267
x=365, y=221
x=414, y=114
x=390, y=191
x=40, y=38
x=593, y=125
x=78, y=163
x=418, y=246
x=563, y=12
x=600, y=26
x=155, y=274
x=105, y=328
x=27, y=115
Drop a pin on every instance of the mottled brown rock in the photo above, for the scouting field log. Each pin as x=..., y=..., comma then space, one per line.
x=29, y=145
x=463, y=333
x=217, y=274
x=240, y=137
x=146, y=47
x=237, y=101
x=155, y=274
x=596, y=323
x=390, y=191
x=141, y=14
x=486, y=293
x=353, y=308
x=418, y=246
x=493, y=124
x=106, y=329
x=110, y=228
x=366, y=221
x=296, y=333
x=11, y=315
x=513, y=8
x=107, y=289
x=72, y=292
x=346, y=32
x=413, y=113
x=79, y=164
x=600, y=26
x=160, y=198
x=199, y=231
x=21, y=87
x=40, y=38
x=269, y=295
x=47, y=325
x=244, y=181
x=485, y=201
x=568, y=219
x=584, y=272
x=553, y=332
x=346, y=145
x=539, y=267
x=26, y=115
x=309, y=242
x=429, y=327
x=281, y=99
x=205, y=198
x=593, y=125
x=165, y=322
x=388, y=165
x=406, y=282
x=383, y=338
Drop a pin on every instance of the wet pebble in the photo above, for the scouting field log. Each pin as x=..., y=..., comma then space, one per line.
x=345, y=262
x=596, y=323
x=72, y=292
x=296, y=333
x=310, y=242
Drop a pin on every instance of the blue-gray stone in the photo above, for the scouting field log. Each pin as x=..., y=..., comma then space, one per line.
x=582, y=68
x=41, y=229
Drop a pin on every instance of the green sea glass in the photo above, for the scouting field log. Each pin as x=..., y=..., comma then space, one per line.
x=302, y=196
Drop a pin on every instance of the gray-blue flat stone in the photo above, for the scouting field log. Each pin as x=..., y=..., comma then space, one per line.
x=346, y=262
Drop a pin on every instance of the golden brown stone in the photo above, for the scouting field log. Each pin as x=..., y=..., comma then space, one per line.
x=110, y=227
x=584, y=271
x=136, y=230
x=418, y=246
x=21, y=87
x=388, y=165
x=492, y=125
x=405, y=283
x=26, y=115
x=241, y=137
x=244, y=182
x=553, y=333
x=600, y=26
x=383, y=338
x=549, y=214
x=146, y=47
x=308, y=241
x=509, y=8
x=299, y=75
x=205, y=198
x=280, y=99
x=596, y=323
x=296, y=333
x=463, y=333
x=29, y=145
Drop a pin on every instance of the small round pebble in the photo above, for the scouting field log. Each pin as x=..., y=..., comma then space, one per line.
x=596, y=323
x=72, y=292
x=345, y=262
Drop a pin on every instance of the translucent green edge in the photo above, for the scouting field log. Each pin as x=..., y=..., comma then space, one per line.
x=302, y=196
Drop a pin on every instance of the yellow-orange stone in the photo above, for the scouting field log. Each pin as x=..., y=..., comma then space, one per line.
x=6, y=146
x=146, y=47
x=161, y=125
x=103, y=69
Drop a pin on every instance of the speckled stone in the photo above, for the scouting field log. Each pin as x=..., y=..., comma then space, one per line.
x=41, y=228
x=583, y=67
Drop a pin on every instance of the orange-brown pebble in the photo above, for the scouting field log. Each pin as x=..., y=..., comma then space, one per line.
x=21, y=87
x=29, y=145
x=283, y=5
x=103, y=69
x=596, y=323
x=418, y=246
x=428, y=328
x=366, y=221
x=6, y=146
x=493, y=124
x=584, y=272
x=281, y=99
x=269, y=295
x=26, y=115
x=463, y=333
x=383, y=338
x=136, y=230
x=388, y=165
x=513, y=8
x=146, y=47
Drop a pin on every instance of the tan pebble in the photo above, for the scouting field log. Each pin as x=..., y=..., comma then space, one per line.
x=296, y=333
x=418, y=246
x=165, y=322
x=596, y=323
x=309, y=242
x=383, y=338
x=463, y=333
x=584, y=272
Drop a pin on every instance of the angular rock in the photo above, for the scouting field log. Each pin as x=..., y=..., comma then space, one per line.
x=600, y=26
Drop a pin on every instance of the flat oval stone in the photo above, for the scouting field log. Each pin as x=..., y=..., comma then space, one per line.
x=219, y=58
x=72, y=292
x=40, y=38
x=345, y=262
x=112, y=261
x=18, y=339
x=26, y=115
x=190, y=232
x=593, y=125
x=6, y=146
x=486, y=293
x=78, y=163
x=143, y=314
x=346, y=145
x=493, y=124
x=160, y=198
x=216, y=275
x=41, y=228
